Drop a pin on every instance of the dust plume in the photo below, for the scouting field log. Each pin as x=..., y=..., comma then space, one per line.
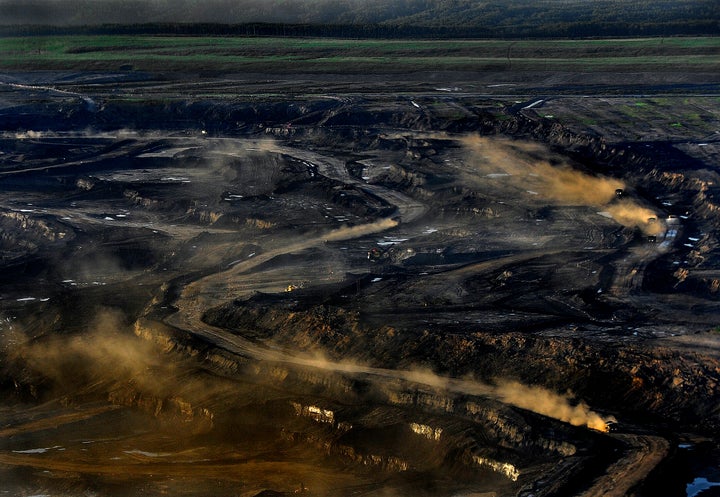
x=317, y=359
x=426, y=376
x=527, y=166
x=572, y=187
x=531, y=398
x=102, y=354
x=532, y=168
x=631, y=214
x=254, y=168
x=99, y=267
x=267, y=145
x=349, y=232
x=536, y=399
x=108, y=363
x=548, y=403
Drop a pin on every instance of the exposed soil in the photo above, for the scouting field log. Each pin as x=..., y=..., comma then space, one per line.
x=369, y=288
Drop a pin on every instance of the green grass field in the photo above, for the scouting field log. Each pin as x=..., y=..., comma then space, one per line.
x=188, y=53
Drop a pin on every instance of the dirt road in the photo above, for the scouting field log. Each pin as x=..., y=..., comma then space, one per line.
x=644, y=453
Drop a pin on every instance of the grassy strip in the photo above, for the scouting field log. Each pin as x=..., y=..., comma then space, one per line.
x=108, y=52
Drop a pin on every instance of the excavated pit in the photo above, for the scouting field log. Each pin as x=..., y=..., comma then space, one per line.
x=350, y=296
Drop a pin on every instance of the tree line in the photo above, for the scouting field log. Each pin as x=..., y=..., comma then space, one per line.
x=577, y=29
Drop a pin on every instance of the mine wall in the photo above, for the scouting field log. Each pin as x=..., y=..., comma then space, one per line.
x=351, y=419
x=505, y=425
x=635, y=378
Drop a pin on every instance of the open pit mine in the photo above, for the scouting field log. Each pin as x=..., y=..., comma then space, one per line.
x=388, y=294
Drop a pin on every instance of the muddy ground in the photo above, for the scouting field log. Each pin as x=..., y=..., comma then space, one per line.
x=436, y=284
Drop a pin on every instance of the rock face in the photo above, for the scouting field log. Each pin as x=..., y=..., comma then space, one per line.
x=23, y=233
x=636, y=376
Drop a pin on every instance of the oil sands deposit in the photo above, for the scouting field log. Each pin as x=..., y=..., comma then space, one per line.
x=440, y=281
